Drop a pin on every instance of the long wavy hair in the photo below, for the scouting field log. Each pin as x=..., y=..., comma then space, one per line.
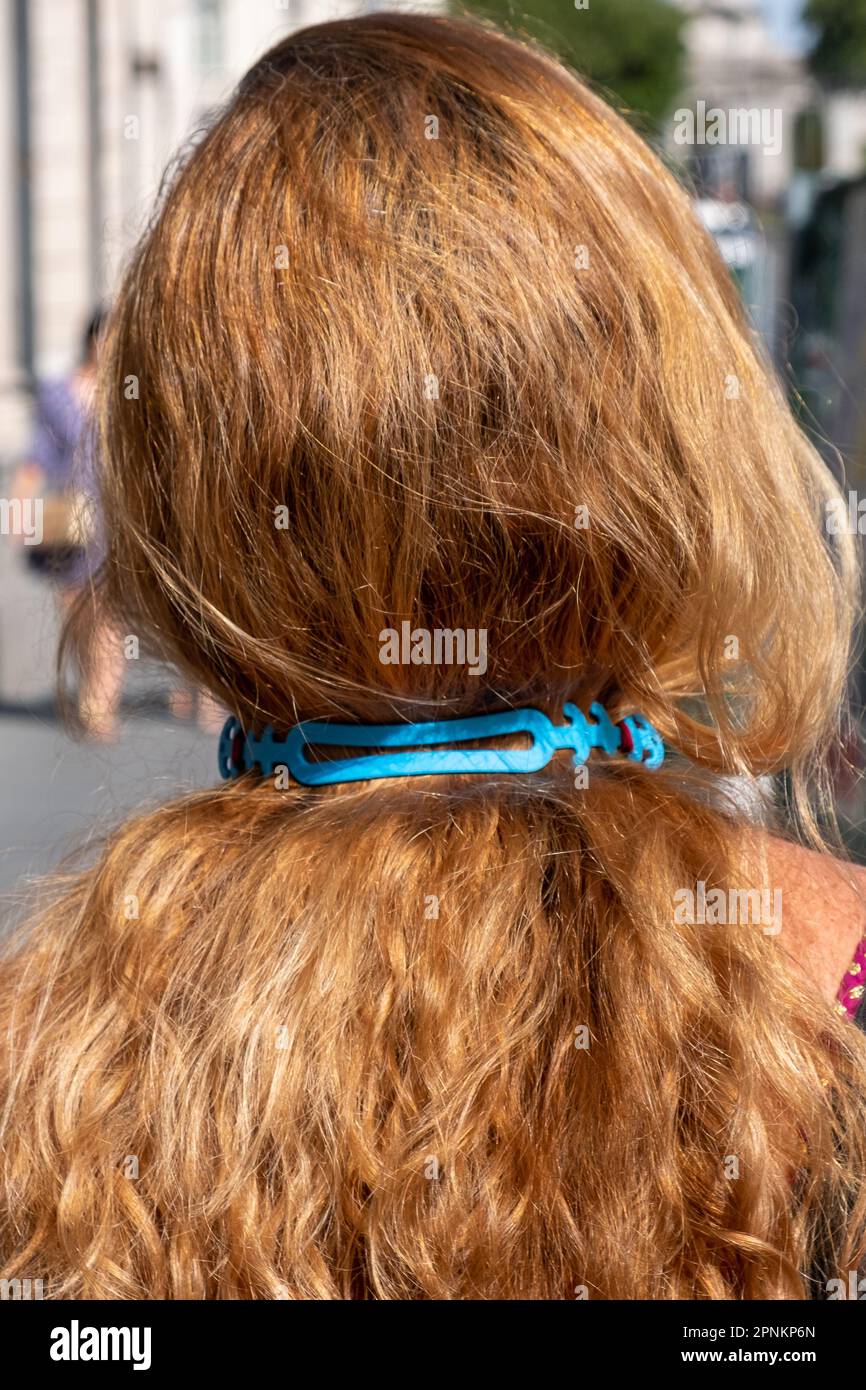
x=422, y=331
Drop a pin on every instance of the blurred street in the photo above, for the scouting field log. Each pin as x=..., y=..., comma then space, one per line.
x=59, y=794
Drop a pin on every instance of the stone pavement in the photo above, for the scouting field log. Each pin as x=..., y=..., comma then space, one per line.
x=57, y=793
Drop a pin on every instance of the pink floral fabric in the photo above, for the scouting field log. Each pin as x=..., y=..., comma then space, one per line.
x=850, y=994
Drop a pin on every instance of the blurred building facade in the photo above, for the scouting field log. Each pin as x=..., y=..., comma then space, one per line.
x=96, y=97
x=733, y=61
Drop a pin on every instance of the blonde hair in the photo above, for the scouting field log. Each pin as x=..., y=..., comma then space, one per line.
x=423, y=295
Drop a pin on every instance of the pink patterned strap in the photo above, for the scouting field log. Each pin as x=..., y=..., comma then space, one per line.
x=851, y=990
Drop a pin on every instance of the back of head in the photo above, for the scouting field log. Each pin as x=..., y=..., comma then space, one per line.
x=423, y=334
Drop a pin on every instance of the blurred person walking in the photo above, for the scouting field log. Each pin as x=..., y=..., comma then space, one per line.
x=59, y=468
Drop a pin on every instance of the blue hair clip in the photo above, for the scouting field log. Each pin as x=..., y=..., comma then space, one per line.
x=240, y=751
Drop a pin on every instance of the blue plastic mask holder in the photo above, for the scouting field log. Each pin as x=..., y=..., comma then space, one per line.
x=240, y=751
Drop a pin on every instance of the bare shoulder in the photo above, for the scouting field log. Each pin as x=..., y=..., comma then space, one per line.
x=824, y=910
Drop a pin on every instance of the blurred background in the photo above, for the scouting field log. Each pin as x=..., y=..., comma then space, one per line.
x=759, y=105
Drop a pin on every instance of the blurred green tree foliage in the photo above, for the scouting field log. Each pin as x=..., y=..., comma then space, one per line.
x=631, y=48
x=839, y=55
